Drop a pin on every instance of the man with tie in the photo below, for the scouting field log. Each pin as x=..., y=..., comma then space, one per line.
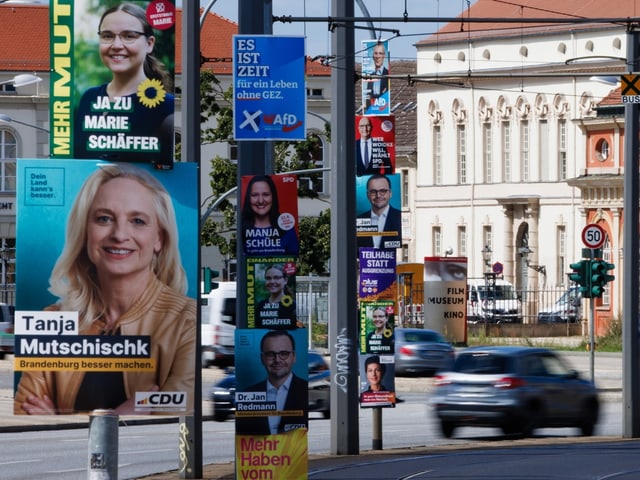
x=371, y=154
x=378, y=87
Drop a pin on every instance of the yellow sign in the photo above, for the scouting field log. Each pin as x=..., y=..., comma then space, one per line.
x=630, y=88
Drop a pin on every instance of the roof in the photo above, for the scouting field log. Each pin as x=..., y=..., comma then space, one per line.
x=31, y=52
x=531, y=9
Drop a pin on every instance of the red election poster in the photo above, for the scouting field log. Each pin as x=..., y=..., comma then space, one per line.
x=375, y=144
x=269, y=215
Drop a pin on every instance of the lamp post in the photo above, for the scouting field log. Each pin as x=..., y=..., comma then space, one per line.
x=486, y=256
x=7, y=119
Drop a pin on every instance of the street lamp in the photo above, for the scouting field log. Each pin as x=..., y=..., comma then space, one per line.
x=7, y=119
x=486, y=255
x=524, y=253
x=22, y=80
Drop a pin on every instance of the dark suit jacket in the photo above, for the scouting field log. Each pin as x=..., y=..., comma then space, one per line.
x=384, y=86
x=376, y=164
x=393, y=223
x=297, y=399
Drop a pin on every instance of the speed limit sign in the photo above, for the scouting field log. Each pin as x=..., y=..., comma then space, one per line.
x=593, y=236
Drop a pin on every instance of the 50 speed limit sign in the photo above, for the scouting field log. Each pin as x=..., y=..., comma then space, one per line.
x=593, y=236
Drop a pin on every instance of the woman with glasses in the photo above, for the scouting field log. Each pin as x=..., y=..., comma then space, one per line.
x=129, y=118
x=278, y=310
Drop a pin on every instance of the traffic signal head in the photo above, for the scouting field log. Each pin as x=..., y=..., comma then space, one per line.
x=580, y=274
x=600, y=277
x=207, y=279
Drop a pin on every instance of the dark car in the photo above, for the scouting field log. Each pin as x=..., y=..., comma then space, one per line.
x=517, y=389
x=223, y=393
x=421, y=351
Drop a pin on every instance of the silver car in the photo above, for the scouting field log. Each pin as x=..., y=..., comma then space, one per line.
x=421, y=351
x=517, y=389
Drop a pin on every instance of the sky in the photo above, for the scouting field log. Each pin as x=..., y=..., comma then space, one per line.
x=319, y=37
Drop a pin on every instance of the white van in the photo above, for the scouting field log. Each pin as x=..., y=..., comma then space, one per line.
x=492, y=304
x=218, y=325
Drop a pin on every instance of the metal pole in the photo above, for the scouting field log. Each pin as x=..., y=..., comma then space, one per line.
x=376, y=438
x=592, y=343
x=631, y=274
x=190, y=430
x=343, y=309
x=103, y=445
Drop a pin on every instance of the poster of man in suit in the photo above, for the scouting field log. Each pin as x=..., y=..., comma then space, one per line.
x=379, y=218
x=375, y=144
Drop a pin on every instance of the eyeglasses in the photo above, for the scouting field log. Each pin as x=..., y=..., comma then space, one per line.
x=282, y=355
x=126, y=36
x=382, y=191
x=268, y=278
x=364, y=126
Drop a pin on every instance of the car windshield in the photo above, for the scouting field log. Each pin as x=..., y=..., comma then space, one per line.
x=500, y=292
x=481, y=363
x=421, y=337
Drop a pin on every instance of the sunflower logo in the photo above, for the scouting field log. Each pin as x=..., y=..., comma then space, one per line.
x=287, y=301
x=151, y=93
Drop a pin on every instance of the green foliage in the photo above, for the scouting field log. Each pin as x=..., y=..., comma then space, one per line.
x=315, y=244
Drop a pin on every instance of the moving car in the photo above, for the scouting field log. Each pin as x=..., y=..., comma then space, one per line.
x=517, y=389
x=421, y=351
x=223, y=393
x=7, y=339
x=565, y=310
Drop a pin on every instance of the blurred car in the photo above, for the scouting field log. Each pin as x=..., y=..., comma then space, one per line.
x=7, y=340
x=517, y=389
x=223, y=393
x=565, y=310
x=421, y=351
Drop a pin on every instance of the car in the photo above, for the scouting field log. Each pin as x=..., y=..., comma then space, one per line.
x=223, y=392
x=516, y=389
x=565, y=310
x=421, y=351
x=7, y=340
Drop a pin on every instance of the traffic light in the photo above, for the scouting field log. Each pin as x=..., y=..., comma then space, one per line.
x=207, y=279
x=582, y=276
x=600, y=277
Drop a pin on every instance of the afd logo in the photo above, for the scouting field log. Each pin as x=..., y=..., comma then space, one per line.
x=288, y=121
x=164, y=400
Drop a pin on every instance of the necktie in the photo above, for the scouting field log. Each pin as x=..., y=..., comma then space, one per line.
x=366, y=154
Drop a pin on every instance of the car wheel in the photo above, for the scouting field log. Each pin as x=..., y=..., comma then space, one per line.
x=326, y=413
x=589, y=418
x=447, y=428
x=220, y=417
x=531, y=421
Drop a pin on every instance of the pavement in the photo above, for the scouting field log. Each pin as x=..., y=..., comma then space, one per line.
x=607, y=372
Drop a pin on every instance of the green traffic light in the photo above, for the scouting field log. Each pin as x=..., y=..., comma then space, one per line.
x=599, y=276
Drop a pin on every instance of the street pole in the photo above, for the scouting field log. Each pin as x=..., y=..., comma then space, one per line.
x=343, y=324
x=630, y=324
x=190, y=426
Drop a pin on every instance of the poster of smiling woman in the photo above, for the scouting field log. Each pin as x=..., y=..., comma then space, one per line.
x=112, y=93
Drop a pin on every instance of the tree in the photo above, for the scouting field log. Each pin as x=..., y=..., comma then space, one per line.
x=314, y=232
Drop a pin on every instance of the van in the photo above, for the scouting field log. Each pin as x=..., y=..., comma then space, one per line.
x=492, y=301
x=218, y=325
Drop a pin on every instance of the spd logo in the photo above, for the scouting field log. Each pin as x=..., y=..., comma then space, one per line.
x=161, y=400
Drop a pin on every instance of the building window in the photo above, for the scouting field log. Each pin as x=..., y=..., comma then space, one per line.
x=462, y=154
x=524, y=150
x=405, y=253
x=562, y=149
x=437, y=155
x=488, y=153
x=462, y=241
x=561, y=256
x=8, y=155
x=405, y=188
x=437, y=241
x=487, y=236
x=506, y=151
x=602, y=150
x=543, y=149
x=316, y=180
x=315, y=93
x=233, y=152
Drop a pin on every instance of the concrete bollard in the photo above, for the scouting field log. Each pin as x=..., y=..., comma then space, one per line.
x=103, y=445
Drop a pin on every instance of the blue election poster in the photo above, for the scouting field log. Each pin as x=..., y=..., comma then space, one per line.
x=269, y=88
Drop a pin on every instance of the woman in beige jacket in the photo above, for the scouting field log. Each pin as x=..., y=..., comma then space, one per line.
x=121, y=271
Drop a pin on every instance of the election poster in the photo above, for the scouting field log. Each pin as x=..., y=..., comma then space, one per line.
x=378, y=209
x=377, y=273
x=377, y=324
x=269, y=215
x=112, y=81
x=445, y=302
x=375, y=77
x=377, y=380
x=106, y=309
x=375, y=144
x=269, y=90
x=271, y=292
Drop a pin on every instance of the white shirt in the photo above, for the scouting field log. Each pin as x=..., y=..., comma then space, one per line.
x=380, y=221
x=364, y=146
x=279, y=395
